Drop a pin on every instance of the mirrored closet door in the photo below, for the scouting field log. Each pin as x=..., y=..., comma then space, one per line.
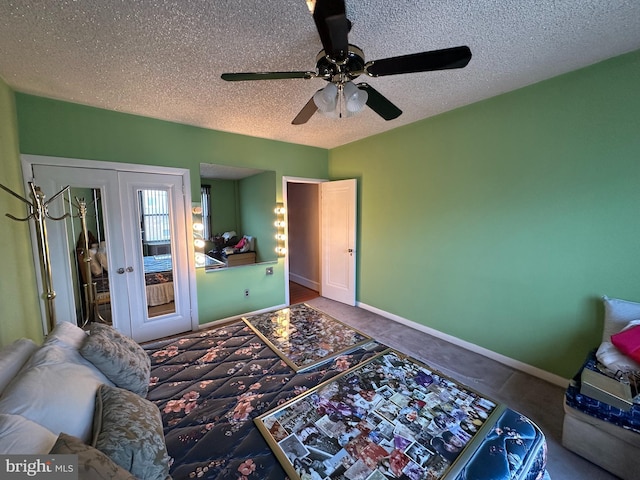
x=121, y=255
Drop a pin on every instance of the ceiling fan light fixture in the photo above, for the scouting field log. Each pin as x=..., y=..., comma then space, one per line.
x=338, y=100
x=355, y=99
x=326, y=98
x=339, y=62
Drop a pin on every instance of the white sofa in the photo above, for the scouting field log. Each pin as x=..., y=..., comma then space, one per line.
x=81, y=392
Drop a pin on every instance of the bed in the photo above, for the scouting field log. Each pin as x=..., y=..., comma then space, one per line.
x=158, y=279
x=213, y=386
x=196, y=406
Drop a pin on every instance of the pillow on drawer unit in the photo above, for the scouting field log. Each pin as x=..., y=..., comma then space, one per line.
x=119, y=357
x=12, y=359
x=617, y=314
x=56, y=389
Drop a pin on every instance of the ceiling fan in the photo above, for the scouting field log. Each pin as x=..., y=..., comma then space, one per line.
x=339, y=63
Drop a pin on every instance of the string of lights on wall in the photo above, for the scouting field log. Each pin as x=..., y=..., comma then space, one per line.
x=280, y=224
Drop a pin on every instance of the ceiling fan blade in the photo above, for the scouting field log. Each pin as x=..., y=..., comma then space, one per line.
x=306, y=113
x=333, y=27
x=456, y=57
x=236, y=77
x=379, y=103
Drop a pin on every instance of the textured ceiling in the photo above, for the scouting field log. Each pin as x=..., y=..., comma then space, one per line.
x=163, y=59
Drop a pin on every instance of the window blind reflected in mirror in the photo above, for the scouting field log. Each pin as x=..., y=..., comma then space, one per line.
x=155, y=215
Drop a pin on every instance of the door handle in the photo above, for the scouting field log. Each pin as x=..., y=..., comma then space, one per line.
x=350, y=251
x=122, y=270
x=129, y=269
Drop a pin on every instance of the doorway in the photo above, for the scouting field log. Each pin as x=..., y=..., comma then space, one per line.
x=321, y=238
x=303, y=235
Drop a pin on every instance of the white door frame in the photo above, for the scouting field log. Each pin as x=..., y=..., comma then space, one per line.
x=28, y=160
x=285, y=181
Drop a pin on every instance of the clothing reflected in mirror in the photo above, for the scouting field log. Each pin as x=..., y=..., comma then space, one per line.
x=237, y=217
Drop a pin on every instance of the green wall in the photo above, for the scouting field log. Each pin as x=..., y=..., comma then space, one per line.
x=507, y=220
x=257, y=213
x=62, y=129
x=223, y=208
x=19, y=309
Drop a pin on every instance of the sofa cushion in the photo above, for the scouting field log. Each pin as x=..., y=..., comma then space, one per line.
x=120, y=358
x=21, y=436
x=617, y=314
x=66, y=334
x=56, y=388
x=12, y=359
x=92, y=463
x=128, y=428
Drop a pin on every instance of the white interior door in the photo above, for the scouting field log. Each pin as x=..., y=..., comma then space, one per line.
x=165, y=307
x=338, y=219
x=64, y=236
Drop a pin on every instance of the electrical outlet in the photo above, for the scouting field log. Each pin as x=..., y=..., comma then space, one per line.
x=269, y=270
x=246, y=292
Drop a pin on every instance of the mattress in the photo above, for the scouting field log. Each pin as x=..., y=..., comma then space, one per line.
x=211, y=385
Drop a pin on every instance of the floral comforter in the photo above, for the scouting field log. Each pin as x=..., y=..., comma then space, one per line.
x=210, y=385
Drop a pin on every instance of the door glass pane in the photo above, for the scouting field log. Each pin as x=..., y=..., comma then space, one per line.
x=90, y=268
x=155, y=228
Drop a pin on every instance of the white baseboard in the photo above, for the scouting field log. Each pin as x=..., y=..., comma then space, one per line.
x=305, y=282
x=238, y=317
x=510, y=362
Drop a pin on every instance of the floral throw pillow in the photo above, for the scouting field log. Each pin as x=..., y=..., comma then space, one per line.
x=118, y=357
x=128, y=429
x=92, y=463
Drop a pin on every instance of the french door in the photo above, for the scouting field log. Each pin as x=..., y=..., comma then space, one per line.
x=126, y=262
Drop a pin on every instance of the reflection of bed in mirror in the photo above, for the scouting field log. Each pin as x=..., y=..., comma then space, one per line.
x=158, y=279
